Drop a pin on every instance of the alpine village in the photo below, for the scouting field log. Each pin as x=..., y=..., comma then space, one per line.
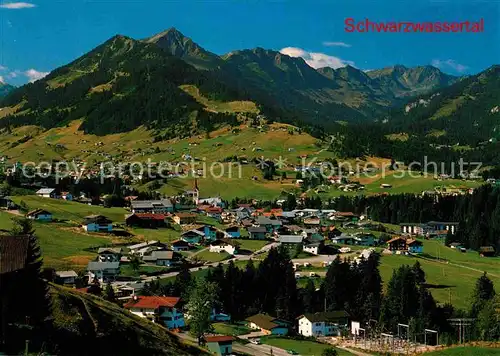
x=247, y=204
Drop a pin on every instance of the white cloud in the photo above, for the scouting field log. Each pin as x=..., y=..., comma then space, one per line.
x=34, y=75
x=3, y=67
x=13, y=74
x=336, y=44
x=316, y=60
x=449, y=64
x=1, y=80
x=16, y=5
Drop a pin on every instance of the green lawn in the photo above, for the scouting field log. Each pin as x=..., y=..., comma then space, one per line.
x=302, y=347
x=451, y=282
x=163, y=234
x=62, y=246
x=251, y=245
x=127, y=270
x=66, y=210
x=230, y=329
x=437, y=249
x=208, y=256
x=466, y=351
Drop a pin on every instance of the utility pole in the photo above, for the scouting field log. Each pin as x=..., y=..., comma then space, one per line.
x=462, y=324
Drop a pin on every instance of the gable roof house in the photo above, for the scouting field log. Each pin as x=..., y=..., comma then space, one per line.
x=39, y=215
x=185, y=218
x=344, y=216
x=152, y=206
x=146, y=220
x=487, y=251
x=246, y=222
x=65, y=277
x=145, y=247
x=6, y=202
x=268, y=325
x=434, y=226
x=291, y=240
x=312, y=221
x=323, y=324
x=224, y=245
x=163, y=310
x=233, y=231
x=160, y=258
x=265, y=222
x=257, y=232
x=179, y=245
x=397, y=244
x=67, y=196
x=103, y=271
x=344, y=239
x=364, y=239
x=411, y=229
x=97, y=223
x=193, y=236
x=213, y=212
x=46, y=193
x=414, y=246
x=209, y=232
x=313, y=248
x=219, y=345
x=109, y=254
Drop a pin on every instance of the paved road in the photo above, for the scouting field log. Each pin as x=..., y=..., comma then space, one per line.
x=316, y=259
x=249, y=349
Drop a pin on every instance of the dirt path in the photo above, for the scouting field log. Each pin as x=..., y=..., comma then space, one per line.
x=458, y=265
x=354, y=352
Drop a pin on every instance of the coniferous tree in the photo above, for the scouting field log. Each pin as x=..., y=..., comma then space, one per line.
x=32, y=295
x=309, y=297
x=484, y=291
x=369, y=295
x=401, y=300
x=109, y=293
x=183, y=282
x=336, y=285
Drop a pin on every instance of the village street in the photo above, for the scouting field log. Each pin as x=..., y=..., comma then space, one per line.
x=311, y=260
x=208, y=265
x=248, y=349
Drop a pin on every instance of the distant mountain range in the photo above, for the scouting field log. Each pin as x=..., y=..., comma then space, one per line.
x=5, y=89
x=466, y=113
x=125, y=83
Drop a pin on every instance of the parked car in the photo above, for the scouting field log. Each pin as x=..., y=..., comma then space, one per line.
x=292, y=352
x=255, y=341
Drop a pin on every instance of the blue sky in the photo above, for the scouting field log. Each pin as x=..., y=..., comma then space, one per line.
x=37, y=36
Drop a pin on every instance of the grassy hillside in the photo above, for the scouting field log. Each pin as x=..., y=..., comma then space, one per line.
x=84, y=324
x=467, y=351
x=64, y=246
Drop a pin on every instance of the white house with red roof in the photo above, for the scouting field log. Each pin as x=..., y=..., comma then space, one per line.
x=163, y=310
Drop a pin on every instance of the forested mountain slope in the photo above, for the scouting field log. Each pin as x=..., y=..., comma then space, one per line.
x=125, y=83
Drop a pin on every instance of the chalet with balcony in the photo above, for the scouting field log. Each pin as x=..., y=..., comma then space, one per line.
x=163, y=310
x=97, y=223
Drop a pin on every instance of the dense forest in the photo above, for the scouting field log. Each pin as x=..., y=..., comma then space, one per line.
x=478, y=214
x=356, y=288
x=117, y=87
